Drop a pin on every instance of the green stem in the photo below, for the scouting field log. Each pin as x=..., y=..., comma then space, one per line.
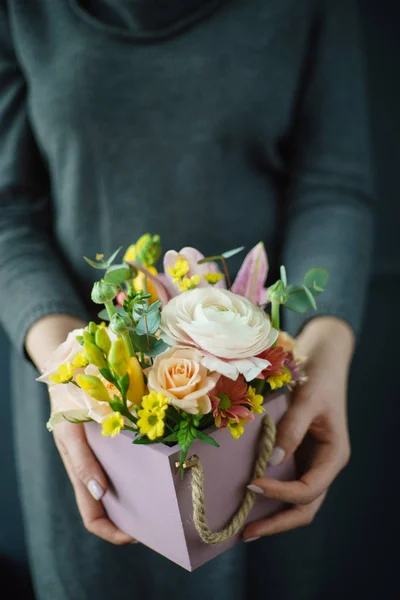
x=110, y=308
x=227, y=276
x=275, y=315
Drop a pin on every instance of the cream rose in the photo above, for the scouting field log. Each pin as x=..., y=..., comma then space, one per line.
x=179, y=375
x=228, y=329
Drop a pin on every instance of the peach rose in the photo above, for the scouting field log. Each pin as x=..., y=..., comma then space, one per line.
x=179, y=375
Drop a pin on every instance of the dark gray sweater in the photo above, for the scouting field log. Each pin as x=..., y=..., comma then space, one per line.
x=235, y=122
x=214, y=123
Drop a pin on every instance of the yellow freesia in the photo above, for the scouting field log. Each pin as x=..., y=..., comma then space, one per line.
x=118, y=357
x=94, y=387
x=102, y=339
x=256, y=400
x=146, y=251
x=136, y=381
x=112, y=425
x=189, y=283
x=213, y=278
x=94, y=355
x=65, y=373
x=80, y=361
x=140, y=282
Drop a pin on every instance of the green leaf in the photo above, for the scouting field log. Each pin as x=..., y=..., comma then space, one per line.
x=297, y=300
x=116, y=404
x=139, y=342
x=203, y=437
x=173, y=437
x=100, y=264
x=283, y=275
x=156, y=347
x=124, y=383
x=155, y=306
x=117, y=274
x=113, y=256
x=316, y=280
x=311, y=298
x=106, y=373
x=143, y=440
x=148, y=324
x=103, y=314
x=230, y=253
x=185, y=435
x=76, y=421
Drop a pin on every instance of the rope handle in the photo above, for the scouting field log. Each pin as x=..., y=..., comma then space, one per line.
x=239, y=518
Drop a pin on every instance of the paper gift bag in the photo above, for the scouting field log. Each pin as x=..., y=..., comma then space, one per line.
x=148, y=499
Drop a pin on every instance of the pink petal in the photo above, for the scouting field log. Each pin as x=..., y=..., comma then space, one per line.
x=252, y=274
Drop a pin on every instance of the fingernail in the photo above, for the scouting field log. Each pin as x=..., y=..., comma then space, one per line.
x=256, y=489
x=95, y=489
x=134, y=542
x=277, y=456
x=253, y=539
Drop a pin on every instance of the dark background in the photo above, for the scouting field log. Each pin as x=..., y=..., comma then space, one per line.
x=361, y=510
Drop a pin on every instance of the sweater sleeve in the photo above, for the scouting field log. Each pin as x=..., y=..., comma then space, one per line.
x=33, y=277
x=329, y=211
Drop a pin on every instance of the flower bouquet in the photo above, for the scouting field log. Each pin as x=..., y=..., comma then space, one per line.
x=185, y=372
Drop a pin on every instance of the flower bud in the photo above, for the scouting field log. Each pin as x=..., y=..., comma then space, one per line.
x=118, y=357
x=136, y=381
x=93, y=386
x=103, y=292
x=102, y=340
x=92, y=327
x=146, y=251
x=94, y=355
x=118, y=324
x=277, y=292
x=87, y=336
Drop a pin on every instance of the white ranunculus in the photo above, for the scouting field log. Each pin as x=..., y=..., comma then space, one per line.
x=227, y=328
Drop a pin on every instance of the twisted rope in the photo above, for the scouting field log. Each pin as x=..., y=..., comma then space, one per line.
x=238, y=520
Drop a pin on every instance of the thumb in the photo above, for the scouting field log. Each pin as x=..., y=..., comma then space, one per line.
x=72, y=444
x=291, y=431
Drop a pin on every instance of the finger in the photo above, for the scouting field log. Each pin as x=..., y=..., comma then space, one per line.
x=71, y=438
x=326, y=465
x=292, y=430
x=298, y=516
x=92, y=511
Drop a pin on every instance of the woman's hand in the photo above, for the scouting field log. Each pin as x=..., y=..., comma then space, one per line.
x=315, y=426
x=84, y=471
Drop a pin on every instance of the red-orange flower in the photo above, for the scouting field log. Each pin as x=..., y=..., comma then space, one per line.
x=229, y=400
x=276, y=356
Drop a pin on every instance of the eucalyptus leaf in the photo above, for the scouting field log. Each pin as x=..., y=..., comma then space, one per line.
x=101, y=264
x=113, y=256
x=207, y=439
x=155, y=306
x=103, y=314
x=316, y=280
x=117, y=274
x=298, y=302
x=156, y=347
x=311, y=298
x=230, y=253
x=139, y=342
x=149, y=323
x=283, y=275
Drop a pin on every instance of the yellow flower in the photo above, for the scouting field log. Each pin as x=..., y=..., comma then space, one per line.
x=189, y=283
x=146, y=251
x=213, y=278
x=151, y=423
x=118, y=357
x=236, y=429
x=94, y=355
x=94, y=387
x=65, y=373
x=256, y=400
x=112, y=425
x=102, y=339
x=80, y=361
x=155, y=402
x=180, y=269
x=279, y=380
x=136, y=381
x=99, y=256
x=139, y=283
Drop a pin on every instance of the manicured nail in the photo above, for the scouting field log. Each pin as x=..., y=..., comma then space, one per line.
x=95, y=489
x=256, y=489
x=277, y=456
x=253, y=539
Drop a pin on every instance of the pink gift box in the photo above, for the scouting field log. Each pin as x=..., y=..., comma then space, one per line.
x=148, y=499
